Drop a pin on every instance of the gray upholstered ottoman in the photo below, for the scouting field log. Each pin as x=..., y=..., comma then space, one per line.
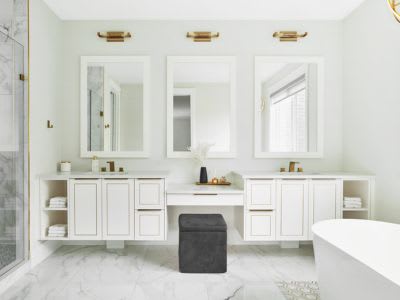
x=202, y=243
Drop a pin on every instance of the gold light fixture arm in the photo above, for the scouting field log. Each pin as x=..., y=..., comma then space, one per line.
x=393, y=7
x=202, y=36
x=289, y=36
x=114, y=36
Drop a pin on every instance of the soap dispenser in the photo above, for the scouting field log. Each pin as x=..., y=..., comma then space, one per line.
x=95, y=164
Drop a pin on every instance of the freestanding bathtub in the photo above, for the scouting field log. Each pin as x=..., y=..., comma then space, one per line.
x=357, y=259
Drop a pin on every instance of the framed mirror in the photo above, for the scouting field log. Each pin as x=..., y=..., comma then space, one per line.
x=289, y=107
x=114, y=106
x=201, y=105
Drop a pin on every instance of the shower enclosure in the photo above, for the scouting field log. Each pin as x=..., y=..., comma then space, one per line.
x=13, y=155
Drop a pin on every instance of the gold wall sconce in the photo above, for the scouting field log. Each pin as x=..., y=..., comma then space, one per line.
x=114, y=36
x=393, y=7
x=202, y=36
x=289, y=36
x=49, y=125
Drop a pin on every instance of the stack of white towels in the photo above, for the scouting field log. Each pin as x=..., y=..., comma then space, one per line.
x=58, y=202
x=58, y=230
x=352, y=202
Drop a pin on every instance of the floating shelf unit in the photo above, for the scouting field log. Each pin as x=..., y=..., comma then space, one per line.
x=363, y=188
x=49, y=216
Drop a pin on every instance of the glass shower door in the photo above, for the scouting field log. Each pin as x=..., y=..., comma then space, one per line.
x=12, y=155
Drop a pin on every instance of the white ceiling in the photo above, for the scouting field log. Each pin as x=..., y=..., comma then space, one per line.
x=203, y=9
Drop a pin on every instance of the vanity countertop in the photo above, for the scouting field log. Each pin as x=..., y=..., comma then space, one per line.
x=128, y=174
x=305, y=175
x=191, y=188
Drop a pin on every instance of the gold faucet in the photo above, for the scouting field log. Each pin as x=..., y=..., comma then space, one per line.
x=112, y=166
x=292, y=166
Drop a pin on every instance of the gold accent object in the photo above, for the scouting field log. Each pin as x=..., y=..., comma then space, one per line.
x=49, y=125
x=292, y=166
x=215, y=180
x=202, y=36
x=289, y=36
x=299, y=169
x=22, y=77
x=393, y=4
x=112, y=166
x=283, y=170
x=115, y=36
x=210, y=183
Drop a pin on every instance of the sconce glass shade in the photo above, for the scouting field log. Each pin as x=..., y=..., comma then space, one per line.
x=393, y=4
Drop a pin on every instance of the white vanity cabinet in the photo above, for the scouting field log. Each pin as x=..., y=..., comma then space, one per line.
x=150, y=217
x=292, y=210
x=118, y=209
x=85, y=209
x=325, y=201
x=283, y=207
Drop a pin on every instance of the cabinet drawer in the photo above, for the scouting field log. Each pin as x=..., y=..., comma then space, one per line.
x=149, y=194
x=205, y=199
x=260, y=225
x=150, y=225
x=260, y=194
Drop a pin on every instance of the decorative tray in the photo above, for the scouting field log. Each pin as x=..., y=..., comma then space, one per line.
x=210, y=183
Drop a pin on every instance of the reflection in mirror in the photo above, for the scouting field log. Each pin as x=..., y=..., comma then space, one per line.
x=287, y=109
x=114, y=107
x=201, y=105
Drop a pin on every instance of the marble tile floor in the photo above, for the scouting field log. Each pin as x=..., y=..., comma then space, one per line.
x=151, y=272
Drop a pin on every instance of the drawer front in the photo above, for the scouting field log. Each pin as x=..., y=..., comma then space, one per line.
x=150, y=225
x=260, y=225
x=205, y=199
x=260, y=194
x=149, y=194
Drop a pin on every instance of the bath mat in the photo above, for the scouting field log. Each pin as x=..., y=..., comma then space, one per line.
x=299, y=290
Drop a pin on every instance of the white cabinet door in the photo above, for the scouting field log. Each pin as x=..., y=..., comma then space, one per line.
x=325, y=200
x=85, y=209
x=118, y=209
x=150, y=225
x=260, y=194
x=149, y=194
x=292, y=210
x=260, y=226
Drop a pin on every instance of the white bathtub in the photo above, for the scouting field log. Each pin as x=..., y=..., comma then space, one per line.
x=357, y=259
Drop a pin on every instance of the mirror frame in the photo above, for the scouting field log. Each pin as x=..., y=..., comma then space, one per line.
x=85, y=61
x=171, y=61
x=319, y=61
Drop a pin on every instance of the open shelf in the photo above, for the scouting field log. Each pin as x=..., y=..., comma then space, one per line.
x=51, y=216
x=357, y=188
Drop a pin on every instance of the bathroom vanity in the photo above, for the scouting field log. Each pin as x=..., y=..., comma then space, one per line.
x=134, y=206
